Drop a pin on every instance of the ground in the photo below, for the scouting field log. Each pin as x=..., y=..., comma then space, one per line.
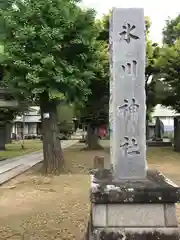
x=14, y=149
x=34, y=207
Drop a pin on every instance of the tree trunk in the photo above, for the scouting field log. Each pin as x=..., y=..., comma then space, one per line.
x=2, y=137
x=8, y=132
x=23, y=131
x=92, y=138
x=147, y=130
x=53, y=157
x=177, y=134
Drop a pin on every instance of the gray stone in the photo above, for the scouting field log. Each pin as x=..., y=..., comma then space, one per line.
x=130, y=202
x=159, y=130
x=99, y=215
x=136, y=234
x=155, y=189
x=127, y=100
x=99, y=162
x=126, y=215
x=170, y=215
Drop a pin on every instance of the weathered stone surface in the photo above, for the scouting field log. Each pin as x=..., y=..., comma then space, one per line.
x=135, y=215
x=136, y=234
x=155, y=189
x=170, y=215
x=127, y=93
x=99, y=162
x=99, y=215
x=128, y=202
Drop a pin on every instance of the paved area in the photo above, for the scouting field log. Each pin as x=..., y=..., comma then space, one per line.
x=15, y=166
x=77, y=135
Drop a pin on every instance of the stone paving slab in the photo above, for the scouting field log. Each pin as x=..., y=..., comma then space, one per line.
x=12, y=167
x=8, y=175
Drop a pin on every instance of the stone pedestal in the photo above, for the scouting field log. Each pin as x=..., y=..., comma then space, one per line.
x=127, y=210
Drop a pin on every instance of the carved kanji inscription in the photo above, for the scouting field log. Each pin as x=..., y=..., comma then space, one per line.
x=130, y=68
x=130, y=146
x=127, y=34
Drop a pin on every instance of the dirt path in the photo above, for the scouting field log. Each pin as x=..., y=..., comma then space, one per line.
x=34, y=207
x=54, y=208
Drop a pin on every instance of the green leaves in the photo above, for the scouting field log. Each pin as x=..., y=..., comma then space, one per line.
x=169, y=63
x=48, y=46
x=171, y=32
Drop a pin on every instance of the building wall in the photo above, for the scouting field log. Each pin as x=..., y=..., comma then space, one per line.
x=32, y=128
x=29, y=128
x=32, y=123
x=168, y=121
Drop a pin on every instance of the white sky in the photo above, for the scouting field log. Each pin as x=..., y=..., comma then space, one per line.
x=157, y=10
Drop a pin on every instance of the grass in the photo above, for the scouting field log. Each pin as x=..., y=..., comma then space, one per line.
x=37, y=207
x=14, y=149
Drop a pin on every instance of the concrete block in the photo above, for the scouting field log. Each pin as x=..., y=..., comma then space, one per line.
x=136, y=234
x=170, y=215
x=135, y=215
x=99, y=215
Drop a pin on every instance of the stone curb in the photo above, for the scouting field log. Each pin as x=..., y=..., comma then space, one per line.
x=21, y=168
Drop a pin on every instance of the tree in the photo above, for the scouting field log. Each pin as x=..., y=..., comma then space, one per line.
x=94, y=111
x=171, y=31
x=169, y=63
x=48, y=56
x=152, y=53
x=153, y=85
x=6, y=116
x=66, y=113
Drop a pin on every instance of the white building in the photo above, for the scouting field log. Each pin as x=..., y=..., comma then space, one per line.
x=31, y=121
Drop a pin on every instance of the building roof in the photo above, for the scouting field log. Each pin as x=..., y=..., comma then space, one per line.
x=34, y=108
x=161, y=111
x=32, y=116
x=28, y=119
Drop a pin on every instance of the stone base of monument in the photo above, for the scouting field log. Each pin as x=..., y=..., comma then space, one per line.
x=133, y=210
x=159, y=143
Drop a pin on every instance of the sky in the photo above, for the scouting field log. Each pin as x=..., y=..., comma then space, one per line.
x=157, y=10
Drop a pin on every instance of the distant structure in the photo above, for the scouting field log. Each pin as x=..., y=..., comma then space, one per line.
x=166, y=115
x=32, y=124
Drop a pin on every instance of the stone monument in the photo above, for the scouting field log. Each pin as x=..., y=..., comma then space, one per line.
x=157, y=140
x=130, y=202
x=158, y=130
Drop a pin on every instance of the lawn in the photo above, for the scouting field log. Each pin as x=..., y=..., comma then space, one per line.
x=14, y=149
x=34, y=207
